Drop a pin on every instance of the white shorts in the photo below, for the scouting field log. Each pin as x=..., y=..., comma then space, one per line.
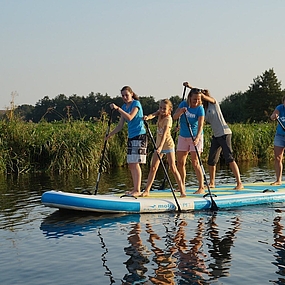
x=137, y=147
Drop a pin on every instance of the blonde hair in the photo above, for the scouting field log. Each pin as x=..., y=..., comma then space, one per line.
x=167, y=103
x=192, y=92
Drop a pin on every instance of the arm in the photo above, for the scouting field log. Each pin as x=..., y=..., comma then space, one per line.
x=124, y=114
x=200, y=129
x=208, y=99
x=178, y=113
x=274, y=115
x=151, y=116
x=117, y=129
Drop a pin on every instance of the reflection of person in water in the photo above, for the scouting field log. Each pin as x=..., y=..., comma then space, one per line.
x=190, y=258
x=138, y=257
x=163, y=258
x=279, y=244
x=180, y=261
x=221, y=247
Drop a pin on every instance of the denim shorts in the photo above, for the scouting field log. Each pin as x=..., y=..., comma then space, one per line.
x=279, y=140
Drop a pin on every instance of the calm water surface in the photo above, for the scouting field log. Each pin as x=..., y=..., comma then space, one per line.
x=40, y=245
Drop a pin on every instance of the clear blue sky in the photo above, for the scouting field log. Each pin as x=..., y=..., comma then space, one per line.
x=51, y=47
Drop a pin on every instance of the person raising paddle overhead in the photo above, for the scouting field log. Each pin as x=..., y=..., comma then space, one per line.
x=221, y=139
x=132, y=113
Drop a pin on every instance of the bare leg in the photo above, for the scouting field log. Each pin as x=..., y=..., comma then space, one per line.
x=181, y=161
x=198, y=171
x=236, y=173
x=136, y=176
x=278, y=155
x=174, y=170
x=212, y=171
x=151, y=175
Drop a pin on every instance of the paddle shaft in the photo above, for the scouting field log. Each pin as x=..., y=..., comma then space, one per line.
x=174, y=138
x=214, y=206
x=162, y=164
x=280, y=123
x=103, y=153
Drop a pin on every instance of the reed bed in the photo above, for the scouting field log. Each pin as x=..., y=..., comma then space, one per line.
x=77, y=146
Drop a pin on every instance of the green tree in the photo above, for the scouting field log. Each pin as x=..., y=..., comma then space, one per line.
x=233, y=107
x=263, y=96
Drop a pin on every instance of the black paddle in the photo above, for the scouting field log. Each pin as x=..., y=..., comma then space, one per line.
x=214, y=206
x=103, y=153
x=174, y=139
x=162, y=164
x=280, y=123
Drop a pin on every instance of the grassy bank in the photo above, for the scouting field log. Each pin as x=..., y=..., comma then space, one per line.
x=77, y=146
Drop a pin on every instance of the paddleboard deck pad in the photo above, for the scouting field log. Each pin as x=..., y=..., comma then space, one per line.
x=163, y=201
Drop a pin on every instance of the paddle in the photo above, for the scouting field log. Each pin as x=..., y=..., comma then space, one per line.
x=280, y=123
x=214, y=206
x=174, y=138
x=103, y=153
x=162, y=164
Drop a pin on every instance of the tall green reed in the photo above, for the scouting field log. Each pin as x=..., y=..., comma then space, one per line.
x=77, y=146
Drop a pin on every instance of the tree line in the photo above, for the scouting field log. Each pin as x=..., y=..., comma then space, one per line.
x=254, y=105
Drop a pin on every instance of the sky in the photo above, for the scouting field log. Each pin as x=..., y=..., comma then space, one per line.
x=81, y=46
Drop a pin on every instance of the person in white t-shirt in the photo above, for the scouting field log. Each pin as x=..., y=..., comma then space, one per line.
x=221, y=139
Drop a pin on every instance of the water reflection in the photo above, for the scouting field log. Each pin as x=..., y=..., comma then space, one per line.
x=151, y=249
x=69, y=223
x=279, y=245
x=220, y=247
x=138, y=257
x=191, y=257
x=161, y=249
x=108, y=271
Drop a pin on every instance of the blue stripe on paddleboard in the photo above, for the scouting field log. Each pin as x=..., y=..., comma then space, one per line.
x=53, y=197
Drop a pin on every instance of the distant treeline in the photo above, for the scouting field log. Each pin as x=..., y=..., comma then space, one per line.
x=253, y=105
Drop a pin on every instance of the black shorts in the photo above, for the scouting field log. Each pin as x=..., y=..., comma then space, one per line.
x=218, y=144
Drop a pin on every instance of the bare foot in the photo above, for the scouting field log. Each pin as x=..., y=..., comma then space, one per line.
x=134, y=193
x=276, y=183
x=144, y=194
x=200, y=191
x=182, y=195
x=212, y=185
x=239, y=187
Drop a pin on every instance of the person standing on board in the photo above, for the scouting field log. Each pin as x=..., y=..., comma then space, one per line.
x=279, y=142
x=132, y=113
x=164, y=144
x=221, y=139
x=194, y=111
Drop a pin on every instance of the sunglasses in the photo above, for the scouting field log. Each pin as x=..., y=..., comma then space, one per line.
x=196, y=90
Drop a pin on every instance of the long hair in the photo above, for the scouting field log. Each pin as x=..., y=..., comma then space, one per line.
x=206, y=103
x=128, y=88
x=168, y=103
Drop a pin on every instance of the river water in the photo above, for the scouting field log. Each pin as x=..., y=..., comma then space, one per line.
x=40, y=245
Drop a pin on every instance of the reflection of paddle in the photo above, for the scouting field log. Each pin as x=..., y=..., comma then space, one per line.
x=162, y=164
x=214, y=206
x=174, y=139
x=103, y=153
x=280, y=123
